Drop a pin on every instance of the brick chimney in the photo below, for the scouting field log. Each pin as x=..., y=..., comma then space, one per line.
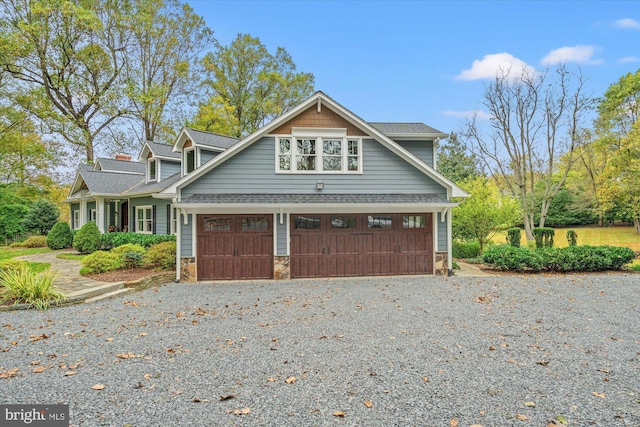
x=123, y=157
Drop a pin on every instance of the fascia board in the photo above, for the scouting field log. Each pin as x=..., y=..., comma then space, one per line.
x=308, y=208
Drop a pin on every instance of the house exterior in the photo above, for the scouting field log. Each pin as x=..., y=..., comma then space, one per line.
x=318, y=192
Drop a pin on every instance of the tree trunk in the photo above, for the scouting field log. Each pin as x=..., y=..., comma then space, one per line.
x=636, y=223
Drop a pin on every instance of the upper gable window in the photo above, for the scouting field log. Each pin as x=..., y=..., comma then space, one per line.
x=297, y=154
x=189, y=160
x=152, y=166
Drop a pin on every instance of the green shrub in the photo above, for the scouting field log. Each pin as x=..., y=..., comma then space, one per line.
x=11, y=220
x=544, y=237
x=162, y=255
x=112, y=240
x=130, y=254
x=12, y=264
x=100, y=261
x=60, y=236
x=128, y=247
x=41, y=217
x=572, y=237
x=513, y=237
x=465, y=250
x=34, y=242
x=22, y=285
x=506, y=257
x=87, y=239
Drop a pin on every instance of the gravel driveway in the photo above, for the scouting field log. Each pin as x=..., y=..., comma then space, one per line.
x=401, y=351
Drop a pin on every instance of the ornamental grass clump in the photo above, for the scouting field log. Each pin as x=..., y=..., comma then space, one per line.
x=22, y=285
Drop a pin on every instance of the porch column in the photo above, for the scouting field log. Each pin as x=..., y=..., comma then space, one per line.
x=178, y=243
x=83, y=213
x=100, y=213
x=449, y=244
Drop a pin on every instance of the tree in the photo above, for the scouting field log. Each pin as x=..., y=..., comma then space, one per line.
x=484, y=213
x=455, y=162
x=258, y=85
x=536, y=119
x=67, y=58
x=618, y=125
x=162, y=60
x=41, y=217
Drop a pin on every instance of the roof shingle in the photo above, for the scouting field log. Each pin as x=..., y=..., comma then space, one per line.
x=211, y=139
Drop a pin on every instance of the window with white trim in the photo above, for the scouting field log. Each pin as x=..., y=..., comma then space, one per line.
x=92, y=215
x=189, y=160
x=318, y=155
x=152, y=169
x=144, y=219
x=76, y=220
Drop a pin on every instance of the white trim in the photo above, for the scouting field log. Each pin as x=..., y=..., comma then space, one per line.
x=319, y=141
x=83, y=213
x=449, y=243
x=275, y=233
x=320, y=208
x=75, y=219
x=288, y=225
x=178, y=246
x=93, y=215
x=194, y=239
x=319, y=132
x=195, y=160
x=144, y=219
x=452, y=189
x=157, y=163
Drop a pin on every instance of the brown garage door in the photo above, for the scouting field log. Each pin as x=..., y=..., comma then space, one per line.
x=361, y=245
x=235, y=247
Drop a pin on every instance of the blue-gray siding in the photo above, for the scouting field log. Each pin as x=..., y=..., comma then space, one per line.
x=186, y=237
x=253, y=171
x=442, y=233
x=421, y=149
x=206, y=155
x=161, y=213
x=168, y=168
x=281, y=235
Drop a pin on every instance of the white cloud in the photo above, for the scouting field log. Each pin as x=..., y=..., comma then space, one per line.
x=494, y=64
x=628, y=60
x=627, y=23
x=580, y=54
x=479, y=114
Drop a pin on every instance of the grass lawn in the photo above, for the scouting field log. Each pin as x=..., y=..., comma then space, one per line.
x=592, y=236
x=7, y=253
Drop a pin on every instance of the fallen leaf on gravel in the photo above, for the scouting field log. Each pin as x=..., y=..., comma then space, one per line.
x=109, y=339
x=98, y=386
x=521, y=417
x=74, y=366
x=69, y=373
x=542, y=362
x=368, y=403
x=142, y=334
x=39, y=369
x=339, y=414
x=243, y=411
x=562, y=419
x=425, y=379
x=475, y=425
x=227, y=397
x=35, y=362
x=606, y=371
x=530, y=404
x=196, y=400
x=9, y=373
x=453, y=423
x=290, y=380
x=492, y=348
x=600, y=395
x=271, y=379
x=37, y=337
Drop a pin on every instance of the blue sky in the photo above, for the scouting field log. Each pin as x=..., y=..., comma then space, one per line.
x=428, y=61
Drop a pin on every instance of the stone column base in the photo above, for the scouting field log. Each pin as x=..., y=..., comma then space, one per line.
x=188, y=269
x=442, y=268
x=281, y=270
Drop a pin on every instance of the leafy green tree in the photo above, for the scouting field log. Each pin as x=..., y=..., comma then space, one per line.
x=618, y=125
x=60, y=236
x=455, y=162
x=42, y=217
x=66, y=58
x=485, y=213
x=257, y=84
x=11, y=219
x=163, y=58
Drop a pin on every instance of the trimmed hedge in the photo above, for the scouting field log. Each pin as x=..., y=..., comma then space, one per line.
x=572, y=258
x=113, y=240
x=162, y=256
x=60, y=236
x=34, y=242
x=465, y=250
x=100, y=261
x=87, y=239
x=513, y=237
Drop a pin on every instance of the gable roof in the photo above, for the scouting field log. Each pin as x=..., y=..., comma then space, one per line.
x=163, y=151
x=319, y=98
x=104, y=183
x=392, y=129
x=113, y=165
x=144, y=187
x=203, y=138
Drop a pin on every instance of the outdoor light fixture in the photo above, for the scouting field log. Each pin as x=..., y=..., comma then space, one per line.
x=319, y=185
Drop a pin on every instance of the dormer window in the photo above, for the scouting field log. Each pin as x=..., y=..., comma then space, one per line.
x=152, y=167
x=189, y=160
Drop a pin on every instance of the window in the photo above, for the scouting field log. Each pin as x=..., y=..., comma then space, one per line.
x=307, y=222
x=92, y=215
x=343, y=222
x=217, y=224
x=189, y=160
x=76, y=220
x=144, y=219
x=255, y=223
x=151, y=167
x=413, y=221
x=318, y=155
x=379, y=222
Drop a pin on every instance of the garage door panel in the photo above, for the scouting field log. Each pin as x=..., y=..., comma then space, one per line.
x=361, y=245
